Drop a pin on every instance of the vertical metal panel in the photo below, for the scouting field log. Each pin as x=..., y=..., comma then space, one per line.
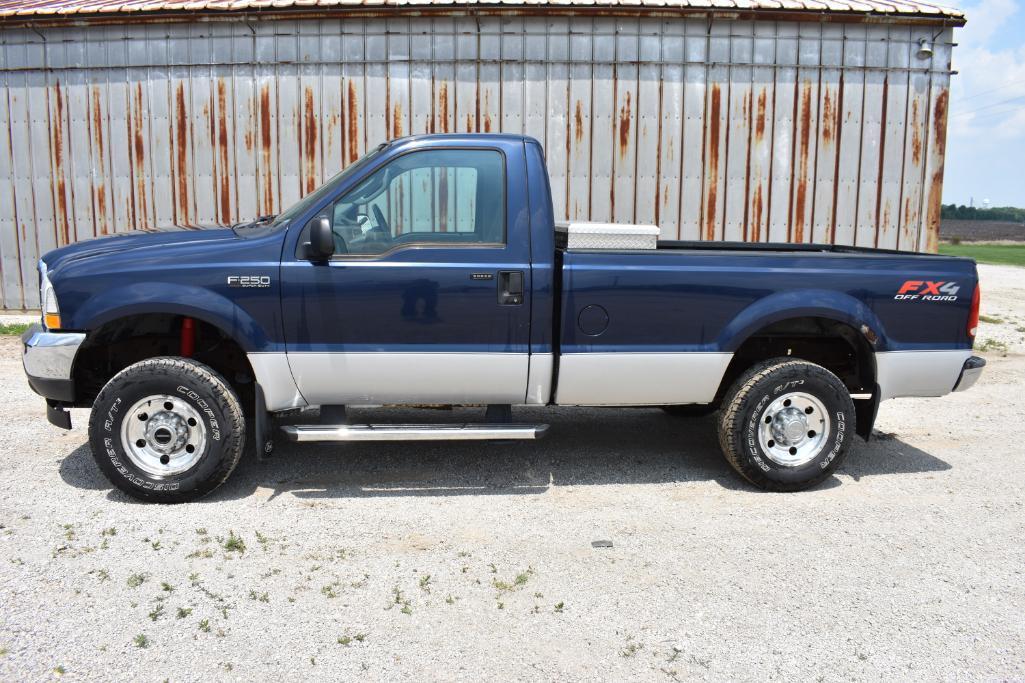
x=738, y=131
x=712, y=129
x=784, y=109
x=939, y=99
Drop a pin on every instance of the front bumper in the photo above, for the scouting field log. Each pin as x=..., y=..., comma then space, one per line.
x=48, y=358
x=970, y=373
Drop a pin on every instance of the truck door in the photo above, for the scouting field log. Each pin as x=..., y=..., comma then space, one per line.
x=425, y=299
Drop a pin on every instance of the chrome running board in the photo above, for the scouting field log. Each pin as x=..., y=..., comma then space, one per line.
x=421, y=432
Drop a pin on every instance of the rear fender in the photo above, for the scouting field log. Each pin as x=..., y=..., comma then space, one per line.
x=804, y=303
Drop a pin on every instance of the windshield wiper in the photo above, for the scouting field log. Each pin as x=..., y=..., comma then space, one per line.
x=252, y=224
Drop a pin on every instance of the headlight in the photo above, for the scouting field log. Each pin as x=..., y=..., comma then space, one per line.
x=48, y=301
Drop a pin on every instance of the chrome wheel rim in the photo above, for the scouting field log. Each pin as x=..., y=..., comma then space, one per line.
x=793, y=429
x=163, y=435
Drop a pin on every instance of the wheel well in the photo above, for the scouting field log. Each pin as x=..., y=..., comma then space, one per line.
x=834, y=345
x=115, y=345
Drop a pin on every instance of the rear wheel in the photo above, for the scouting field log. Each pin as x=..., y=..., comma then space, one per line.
x=167, y=430
x=786, y=424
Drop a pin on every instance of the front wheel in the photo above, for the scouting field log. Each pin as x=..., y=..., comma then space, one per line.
x=167, y=430
x=786, y=424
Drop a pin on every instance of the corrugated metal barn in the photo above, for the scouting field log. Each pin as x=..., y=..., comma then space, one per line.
x=781, y=120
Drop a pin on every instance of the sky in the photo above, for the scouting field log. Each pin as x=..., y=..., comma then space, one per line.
x=986, y=134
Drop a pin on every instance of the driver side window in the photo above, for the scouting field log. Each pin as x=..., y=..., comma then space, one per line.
x=450, y=197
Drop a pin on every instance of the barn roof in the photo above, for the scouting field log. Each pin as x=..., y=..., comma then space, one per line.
x=863, y=10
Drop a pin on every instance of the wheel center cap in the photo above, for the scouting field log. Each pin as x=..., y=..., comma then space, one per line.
x=790, y=426
x=166, y=432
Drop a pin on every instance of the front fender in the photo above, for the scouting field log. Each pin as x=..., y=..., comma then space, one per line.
x=804, y=303
x=142, y=298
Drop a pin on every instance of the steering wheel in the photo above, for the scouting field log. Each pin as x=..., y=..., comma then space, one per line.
x=382, y=225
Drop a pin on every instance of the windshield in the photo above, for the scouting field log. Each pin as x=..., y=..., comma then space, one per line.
x=324, y=190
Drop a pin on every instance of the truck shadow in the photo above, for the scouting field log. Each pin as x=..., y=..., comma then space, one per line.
x=585, y=447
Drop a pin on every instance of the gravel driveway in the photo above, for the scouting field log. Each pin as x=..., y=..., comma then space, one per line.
x=475, y=562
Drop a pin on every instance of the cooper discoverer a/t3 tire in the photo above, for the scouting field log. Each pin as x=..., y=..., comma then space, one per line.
x=786, y=424
x=167, y=430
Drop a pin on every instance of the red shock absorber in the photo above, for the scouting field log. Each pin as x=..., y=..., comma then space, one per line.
x=188, y=341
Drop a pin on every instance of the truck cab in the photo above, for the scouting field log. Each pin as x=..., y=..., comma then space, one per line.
x=432, y=271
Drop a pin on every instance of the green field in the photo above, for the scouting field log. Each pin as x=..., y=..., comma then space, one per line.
x=999, y=254
x=12, y=328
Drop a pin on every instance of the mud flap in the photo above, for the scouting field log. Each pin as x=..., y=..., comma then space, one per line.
x=261, y=426
x=866, y=410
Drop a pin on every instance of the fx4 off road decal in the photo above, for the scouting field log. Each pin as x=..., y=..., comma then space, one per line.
x=927, y=290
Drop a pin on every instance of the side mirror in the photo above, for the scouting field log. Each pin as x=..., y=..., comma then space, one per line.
x=322, y=239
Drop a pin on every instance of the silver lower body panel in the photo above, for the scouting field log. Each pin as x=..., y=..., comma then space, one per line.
x=918, y=373
x=622, y=379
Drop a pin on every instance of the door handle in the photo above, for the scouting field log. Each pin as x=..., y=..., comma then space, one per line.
x=510, y=287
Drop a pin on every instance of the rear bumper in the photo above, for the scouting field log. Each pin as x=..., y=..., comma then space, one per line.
x=970, y=373
x=48, y=358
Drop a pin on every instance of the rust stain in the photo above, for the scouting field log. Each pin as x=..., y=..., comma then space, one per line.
x=756, y=224
x=469, y=122
x=139, y=143
x=443, y=107
x=309, y=141
x=101, y=206
x=98, y=123
x=352, y=111
x=827, y=118
x=443, y=199
x=579, y=121
x=99, y=192
x=181, y=123
x=397, y=120
x=400, y=206
x=916, y=135
x=265, y=151
x=748, y=109
x=224, y=180
x=58, y=165
x=802, y=164
x=932, y=228
x=713, y=162
x=624, y=127
x=760, y=117
x=939, y=121
x=487, y=121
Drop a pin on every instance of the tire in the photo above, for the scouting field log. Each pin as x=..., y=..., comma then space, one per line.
x=167, y=430
x=760, y=426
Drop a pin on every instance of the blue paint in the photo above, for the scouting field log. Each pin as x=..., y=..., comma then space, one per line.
x=439, y=298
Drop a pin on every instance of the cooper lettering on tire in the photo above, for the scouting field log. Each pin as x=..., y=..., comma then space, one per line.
x=167, y=430
x=783, y=426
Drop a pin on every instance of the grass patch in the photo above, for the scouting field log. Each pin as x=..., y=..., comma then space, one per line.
x=13, y=329
x=234, y=543
x=996, y=254
x=141, y=640
x=992, y=320
x=992, y=345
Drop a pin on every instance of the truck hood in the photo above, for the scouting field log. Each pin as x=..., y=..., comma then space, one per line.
x=135, y=241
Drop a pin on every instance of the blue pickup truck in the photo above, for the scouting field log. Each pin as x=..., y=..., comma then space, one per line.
x=432, y=271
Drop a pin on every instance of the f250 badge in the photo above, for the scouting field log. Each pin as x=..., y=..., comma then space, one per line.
x=926, y=290
x=249, y=280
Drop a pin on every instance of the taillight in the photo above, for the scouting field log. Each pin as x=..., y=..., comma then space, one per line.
x=973, y=315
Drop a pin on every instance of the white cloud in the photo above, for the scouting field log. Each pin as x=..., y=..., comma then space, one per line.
x=988, y=95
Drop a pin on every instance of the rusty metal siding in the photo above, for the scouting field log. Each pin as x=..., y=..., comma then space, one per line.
x=711, y=128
